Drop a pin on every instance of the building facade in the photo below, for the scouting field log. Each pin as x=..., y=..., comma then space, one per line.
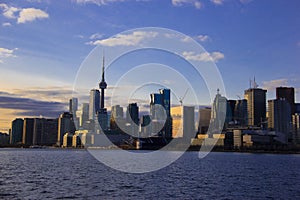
x=287, y=93
x=28, y=131
x=204, y=120
x=256, y=106
x=159, y=101
x=296, y=128
x=94, y=105
x=16, y=131
x=279, y=116
x=65, y=125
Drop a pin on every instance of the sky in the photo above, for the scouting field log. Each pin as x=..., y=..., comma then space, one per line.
x=45, y=47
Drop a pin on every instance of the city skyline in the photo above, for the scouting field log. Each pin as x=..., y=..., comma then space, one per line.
x=40, y=53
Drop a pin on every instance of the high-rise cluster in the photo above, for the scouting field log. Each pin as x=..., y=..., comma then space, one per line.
x=236, y=122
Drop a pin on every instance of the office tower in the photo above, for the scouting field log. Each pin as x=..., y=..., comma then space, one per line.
x=297, y=107
x=4, y=139
x=163, y=99
x=218, y=113
x=116, y=117
x=65, y=125
x=102, y=120
x=230, y=110
x=117, y=111
x=188, y=122
x=132, y=118
x=156, y=113
x=28, y=131
x=84, y=113
x=16, y=131
x=102, y=113
x=45, y=131
x=73, y=106
x=183, y=122
x=132, y=114
x=145, y=126
x=240, y=112
x=279, y=115
x=296, y=128
x=94, y=105
x=38, y=129
x=287, y=93
x=177, y=122
x=256, y=105
x=204, y=119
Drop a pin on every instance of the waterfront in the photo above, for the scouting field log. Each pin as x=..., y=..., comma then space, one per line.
x=71, y=174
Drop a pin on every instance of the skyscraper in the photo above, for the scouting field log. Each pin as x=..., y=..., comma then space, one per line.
x=117, y=111
x=188, y=122
x=279, y=115
x=16, y=131
x=45, y=131
x=218, y=113
x=287, y=93
x=241, y=112
x=204, y=120
x=94, y=106
x=230, y=114
x=116, y=117
x=132, y=114
x=183, y=122
x=163, y=99
x=296, y=128
x=132, y=117
x=73, y=106
x=65, y=125
x=256, y=106
x=84, y=113
x=28, y=131
x=145, y=125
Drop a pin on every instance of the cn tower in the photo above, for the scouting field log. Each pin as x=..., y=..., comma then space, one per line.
x=102, y=86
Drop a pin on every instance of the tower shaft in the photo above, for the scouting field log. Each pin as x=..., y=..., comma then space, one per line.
x=102, y=86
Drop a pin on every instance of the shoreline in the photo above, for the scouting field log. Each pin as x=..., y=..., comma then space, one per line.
x=190, y=149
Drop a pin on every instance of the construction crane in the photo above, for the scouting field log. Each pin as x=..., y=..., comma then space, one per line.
x=181, y=99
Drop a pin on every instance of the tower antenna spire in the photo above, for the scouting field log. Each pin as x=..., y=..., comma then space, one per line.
x=103, y=62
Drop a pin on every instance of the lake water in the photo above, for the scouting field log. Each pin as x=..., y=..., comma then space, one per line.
x=75, y=174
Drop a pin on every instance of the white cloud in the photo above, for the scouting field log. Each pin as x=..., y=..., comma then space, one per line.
x=96, y=36
x=132, y=39
x=186, y=39
x=204, y=57
x=23, y=15
x=217, y=2
x=202, y=38
x=178, y=36
x=6, y=24
x=298, y=44
x=9, y=12
x=31, y=14
x=197, y=4
x=6, y=53
x=273, y=84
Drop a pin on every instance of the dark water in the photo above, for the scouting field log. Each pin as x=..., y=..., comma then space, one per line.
x=75, y=174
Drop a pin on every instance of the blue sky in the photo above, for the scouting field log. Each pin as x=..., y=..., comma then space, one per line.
x=43, y=43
